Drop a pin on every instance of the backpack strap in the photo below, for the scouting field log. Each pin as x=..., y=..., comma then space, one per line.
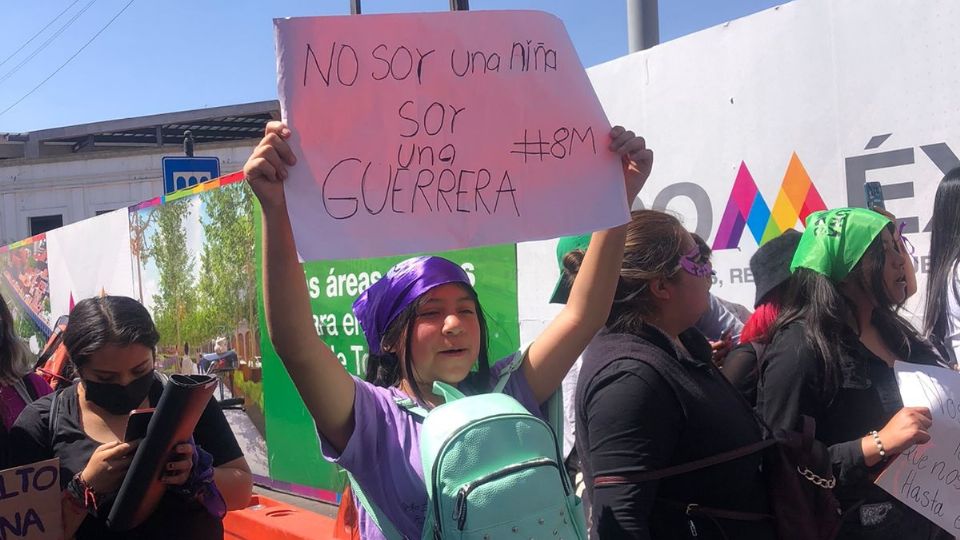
x=508, y=370
x=690, y=466
x=389, y=531
x=552, y=408
x=695, y=510
x=23, y=391
x=38, y=387
x=676, y=470
x=451, y=393
x=411, y=407
x=53, y=419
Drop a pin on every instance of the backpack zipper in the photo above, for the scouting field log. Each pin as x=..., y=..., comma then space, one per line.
x=436, y=499
x=460, y=509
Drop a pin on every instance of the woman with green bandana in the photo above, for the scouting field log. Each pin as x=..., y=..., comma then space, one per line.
x=831, y=357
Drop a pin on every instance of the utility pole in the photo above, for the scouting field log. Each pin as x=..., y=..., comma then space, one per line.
x=643, y=24
x=455, y=5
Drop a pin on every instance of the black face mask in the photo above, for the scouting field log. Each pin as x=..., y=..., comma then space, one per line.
x=117, y=398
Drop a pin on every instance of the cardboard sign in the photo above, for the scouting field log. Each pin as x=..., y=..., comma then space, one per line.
x=429, y=132
x=927, y=477
x=30, y=502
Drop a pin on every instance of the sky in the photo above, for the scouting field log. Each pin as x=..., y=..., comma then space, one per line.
x=159, y=56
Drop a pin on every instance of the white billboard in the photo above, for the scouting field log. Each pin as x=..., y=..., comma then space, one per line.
x=794, y=105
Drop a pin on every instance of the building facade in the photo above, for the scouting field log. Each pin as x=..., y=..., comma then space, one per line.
x=54, y=177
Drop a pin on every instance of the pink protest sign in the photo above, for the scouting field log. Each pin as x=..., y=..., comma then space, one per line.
x=428, y=132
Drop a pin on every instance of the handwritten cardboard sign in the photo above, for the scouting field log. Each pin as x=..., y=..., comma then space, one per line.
x=30, y=502
x=429, y=132
x=927, y=477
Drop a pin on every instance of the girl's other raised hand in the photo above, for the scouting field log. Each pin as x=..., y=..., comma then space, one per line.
x=636, y=157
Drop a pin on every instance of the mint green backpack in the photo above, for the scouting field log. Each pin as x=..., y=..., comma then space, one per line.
x=492, y=469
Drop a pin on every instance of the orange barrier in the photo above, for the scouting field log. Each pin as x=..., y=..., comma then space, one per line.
x=265, y=518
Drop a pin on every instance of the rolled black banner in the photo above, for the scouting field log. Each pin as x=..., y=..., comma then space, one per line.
x=183, y=400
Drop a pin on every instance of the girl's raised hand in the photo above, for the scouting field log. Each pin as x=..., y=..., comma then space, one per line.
x=637, y=159
x=266, y=168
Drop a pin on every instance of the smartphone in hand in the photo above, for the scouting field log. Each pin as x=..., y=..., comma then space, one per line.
x=137, y=424
x=874, y=194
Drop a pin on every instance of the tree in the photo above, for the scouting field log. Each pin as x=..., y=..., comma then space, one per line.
x=175, y=300
x=140, y=222
x=227, y=285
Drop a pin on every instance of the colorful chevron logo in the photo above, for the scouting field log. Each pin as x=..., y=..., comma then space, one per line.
x=798, y=198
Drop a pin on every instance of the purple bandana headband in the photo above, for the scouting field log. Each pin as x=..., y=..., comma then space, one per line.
x=379, y=305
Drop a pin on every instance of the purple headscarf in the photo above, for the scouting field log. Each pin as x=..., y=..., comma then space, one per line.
x=379, y=305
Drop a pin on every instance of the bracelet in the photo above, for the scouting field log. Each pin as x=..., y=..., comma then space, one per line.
x=879, y=443
x=83, y=493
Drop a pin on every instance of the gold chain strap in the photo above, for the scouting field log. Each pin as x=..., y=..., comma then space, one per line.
x=825, y=483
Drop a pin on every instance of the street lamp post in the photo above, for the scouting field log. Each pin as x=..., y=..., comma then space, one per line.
x=643, y=24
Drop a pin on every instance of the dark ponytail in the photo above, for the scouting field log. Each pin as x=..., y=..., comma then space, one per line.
x=944, y=256
x=383, y=370
x=652, y=250
x=571, y=265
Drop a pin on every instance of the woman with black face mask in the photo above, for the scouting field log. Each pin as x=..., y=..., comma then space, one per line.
x=111, y=341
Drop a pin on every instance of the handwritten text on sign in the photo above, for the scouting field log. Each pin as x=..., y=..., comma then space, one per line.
x=30, y=501
x=428, y=132
x=927, y=477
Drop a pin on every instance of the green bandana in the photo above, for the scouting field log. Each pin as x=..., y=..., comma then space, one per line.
x=835, y=240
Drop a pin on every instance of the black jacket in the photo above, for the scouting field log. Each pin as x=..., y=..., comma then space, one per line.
x=791, y=385
x=643, y=405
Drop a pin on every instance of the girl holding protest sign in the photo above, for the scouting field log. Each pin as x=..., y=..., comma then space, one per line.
x=111, y=341
x=424, y=324
x=831, y=358
x=18, y=384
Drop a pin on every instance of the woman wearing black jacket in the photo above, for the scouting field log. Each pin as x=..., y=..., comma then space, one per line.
x=650, y=398
x=831, y=357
